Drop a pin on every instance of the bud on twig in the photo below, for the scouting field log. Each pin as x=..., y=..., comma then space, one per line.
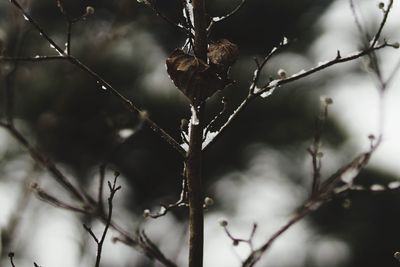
x=89, y=11
x=223, y=222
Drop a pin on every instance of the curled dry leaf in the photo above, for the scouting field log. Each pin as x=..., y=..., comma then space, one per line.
x=223, y=53
x=195, y=78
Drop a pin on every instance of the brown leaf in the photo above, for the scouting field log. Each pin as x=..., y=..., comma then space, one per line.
x=223, y=52
x=195, y=78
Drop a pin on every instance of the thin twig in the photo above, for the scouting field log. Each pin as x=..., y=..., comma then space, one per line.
x=165, y=18
x=69, y=34
x=29, y=18
x=181, y=202
x=272, y=85
x=152, y=249
x=113, y=189
x=46, y=163
x=314, y=150
x=100, y=203
x=11, y=257
x=382, y=25
x=34, y=59
x=363, y=33
x=236, y=241
x=127, y=103
x=256, y=255
x=46, y=197
x=212, y=122
x=227, y=16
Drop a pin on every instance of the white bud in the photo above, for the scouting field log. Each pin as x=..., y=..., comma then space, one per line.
x=208, y=201
x=397, y=255
x=143, y=115
x=146, y=213
x=282, y=73
x=326, y=100
x=89, y=10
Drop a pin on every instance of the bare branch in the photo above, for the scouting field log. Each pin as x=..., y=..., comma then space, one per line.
x=182, y=202
x=152, y=250
x=227, y=16
x=327, y=190
x=100, y=203
x=212, y=122
x=46, y=163
x=105, y=85
x=113, y=189
x=363, y=33
x=256, y=254
x=11, y=257
x=33, y=59
x=153, y=7
x=236, y=241
x=314, y=150
x=46, y=197
x=382, y=25
x=29, y=18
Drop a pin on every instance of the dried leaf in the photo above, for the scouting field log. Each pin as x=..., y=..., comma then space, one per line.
x=195, y=78
x=223, y=52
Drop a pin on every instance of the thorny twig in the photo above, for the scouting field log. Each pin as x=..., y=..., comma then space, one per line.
x=113, y=189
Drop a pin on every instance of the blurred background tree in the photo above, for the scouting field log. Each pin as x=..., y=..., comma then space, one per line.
x=68, y=116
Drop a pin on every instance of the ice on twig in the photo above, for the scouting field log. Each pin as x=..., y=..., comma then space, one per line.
x=125, y=133
x=209, y=137
x=194, y=120
x=268, y=92
x=377, y=187
x=394, y=185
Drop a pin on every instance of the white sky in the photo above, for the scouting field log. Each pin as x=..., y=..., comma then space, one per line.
x=356, y=98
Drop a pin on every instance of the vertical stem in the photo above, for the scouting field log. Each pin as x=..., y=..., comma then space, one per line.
x=194, y=178
x=194, y=158
x=200, y=28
